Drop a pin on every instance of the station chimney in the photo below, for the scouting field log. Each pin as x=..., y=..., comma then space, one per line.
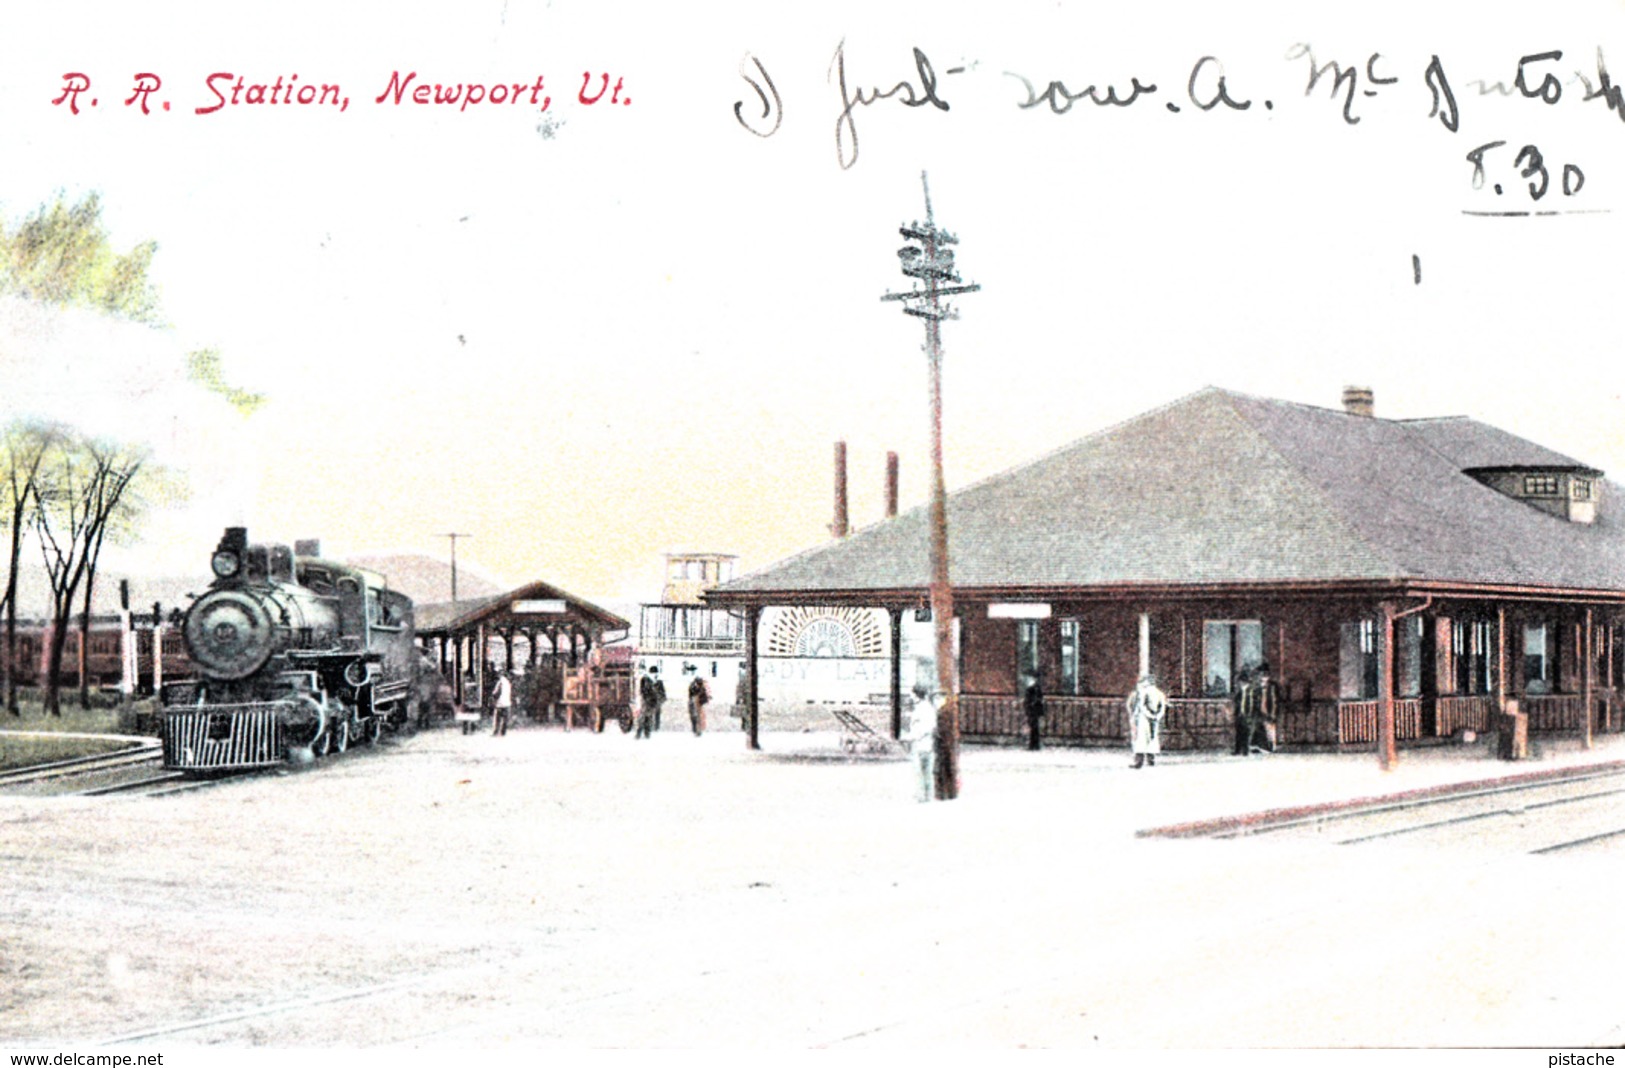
x=1360, y=401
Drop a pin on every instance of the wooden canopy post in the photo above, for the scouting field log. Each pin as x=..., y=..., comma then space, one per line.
x=753, y=616
x=1501, y=660
x=896, y=617
x=457, y=657
x=1587, y=640
x=1387, y=749
x=1145, y=645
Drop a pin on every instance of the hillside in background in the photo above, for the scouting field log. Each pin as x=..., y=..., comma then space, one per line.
x=422, y=578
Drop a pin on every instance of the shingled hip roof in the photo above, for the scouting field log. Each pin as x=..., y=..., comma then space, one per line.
x=1224, y=488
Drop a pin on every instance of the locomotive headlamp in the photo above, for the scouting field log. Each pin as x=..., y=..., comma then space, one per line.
x=226, y=564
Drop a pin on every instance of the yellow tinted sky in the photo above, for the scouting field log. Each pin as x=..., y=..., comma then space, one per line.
x=594, y=333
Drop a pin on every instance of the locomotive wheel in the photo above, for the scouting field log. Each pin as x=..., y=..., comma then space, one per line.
x=323, y=742
x=341, y=737
x=371, y=731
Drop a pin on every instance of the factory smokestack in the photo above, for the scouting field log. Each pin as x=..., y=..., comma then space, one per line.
x=839, y=527
x=891, y=484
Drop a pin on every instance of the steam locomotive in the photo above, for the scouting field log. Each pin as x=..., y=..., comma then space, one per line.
x=295, y=657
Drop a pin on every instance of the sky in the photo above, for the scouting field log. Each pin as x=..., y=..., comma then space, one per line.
x=591, y=333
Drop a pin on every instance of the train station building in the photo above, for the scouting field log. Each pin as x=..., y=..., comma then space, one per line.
x=1403, y=579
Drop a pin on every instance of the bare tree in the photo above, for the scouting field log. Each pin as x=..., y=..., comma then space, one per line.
x=23, y=448
x=148, y=484
x=89, y=481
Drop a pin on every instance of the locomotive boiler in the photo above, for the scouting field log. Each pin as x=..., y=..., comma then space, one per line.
x=295, y=657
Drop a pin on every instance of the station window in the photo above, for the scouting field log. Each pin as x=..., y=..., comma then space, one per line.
x=1357, y=661
x=1230, y=647
x=1071, y=681
x=1537, y=658
x=1026, y=649
x=1540, y=485
x=1408, y=651
x=1582, y=489
x=1470, y=643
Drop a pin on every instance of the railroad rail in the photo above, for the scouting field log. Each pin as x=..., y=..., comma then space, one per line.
x=138, y=755
x=1578, y=812
x=129, y=772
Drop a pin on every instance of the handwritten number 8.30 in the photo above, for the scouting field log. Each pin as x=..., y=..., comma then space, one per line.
x=1532, y=166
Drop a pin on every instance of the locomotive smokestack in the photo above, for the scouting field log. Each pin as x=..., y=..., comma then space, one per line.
x=839, y=527
x=891, y=484
x=234, y=540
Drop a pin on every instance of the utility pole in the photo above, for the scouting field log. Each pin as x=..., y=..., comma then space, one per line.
x=928, y=259
x=454, y=538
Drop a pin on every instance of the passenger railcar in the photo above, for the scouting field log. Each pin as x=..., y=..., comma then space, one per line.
x=294, y=657
x=104, y=657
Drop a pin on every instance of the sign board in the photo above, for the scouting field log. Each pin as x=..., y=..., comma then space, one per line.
x=1018, y=611
x=540, y=608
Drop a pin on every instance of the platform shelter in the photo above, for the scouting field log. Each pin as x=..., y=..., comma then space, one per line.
x=533, y=627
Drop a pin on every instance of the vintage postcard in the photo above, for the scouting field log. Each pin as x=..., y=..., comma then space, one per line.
x=535, y=524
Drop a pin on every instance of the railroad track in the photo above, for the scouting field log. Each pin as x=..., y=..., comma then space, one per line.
x=137, y=756
x=1579, y=814
x=131, y=772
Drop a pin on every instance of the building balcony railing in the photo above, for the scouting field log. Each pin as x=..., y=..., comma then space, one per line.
x=1191, y=723
x=674, y=646
x=1209, y=723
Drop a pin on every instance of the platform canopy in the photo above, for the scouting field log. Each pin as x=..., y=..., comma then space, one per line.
x=533, y=607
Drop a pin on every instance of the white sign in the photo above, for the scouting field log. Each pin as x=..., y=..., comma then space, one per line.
x=539, y=608
x=1018, y=611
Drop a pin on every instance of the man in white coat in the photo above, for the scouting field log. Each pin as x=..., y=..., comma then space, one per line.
x=1146, y=707
x=921, y=739
x=502, y=703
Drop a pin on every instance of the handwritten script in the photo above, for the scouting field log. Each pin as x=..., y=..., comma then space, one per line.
x=1540, y=79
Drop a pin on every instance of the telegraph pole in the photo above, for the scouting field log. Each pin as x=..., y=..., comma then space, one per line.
x=930, y=262
x=454, y=538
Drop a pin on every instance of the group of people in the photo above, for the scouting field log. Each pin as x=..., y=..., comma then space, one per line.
x=1258, y=710
x=1147, y=706
x=652, y=698
x=1256, y=701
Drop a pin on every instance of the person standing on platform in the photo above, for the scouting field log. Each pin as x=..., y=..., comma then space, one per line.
x=1147, y=705
x=649, y=696
x=1239, y=704
x=1260, y=711
x=1032, y=700
x=501, y=703
x=921, y=741
x=699, y=695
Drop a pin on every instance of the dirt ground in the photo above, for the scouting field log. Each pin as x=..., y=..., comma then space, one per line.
x=589, y=891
